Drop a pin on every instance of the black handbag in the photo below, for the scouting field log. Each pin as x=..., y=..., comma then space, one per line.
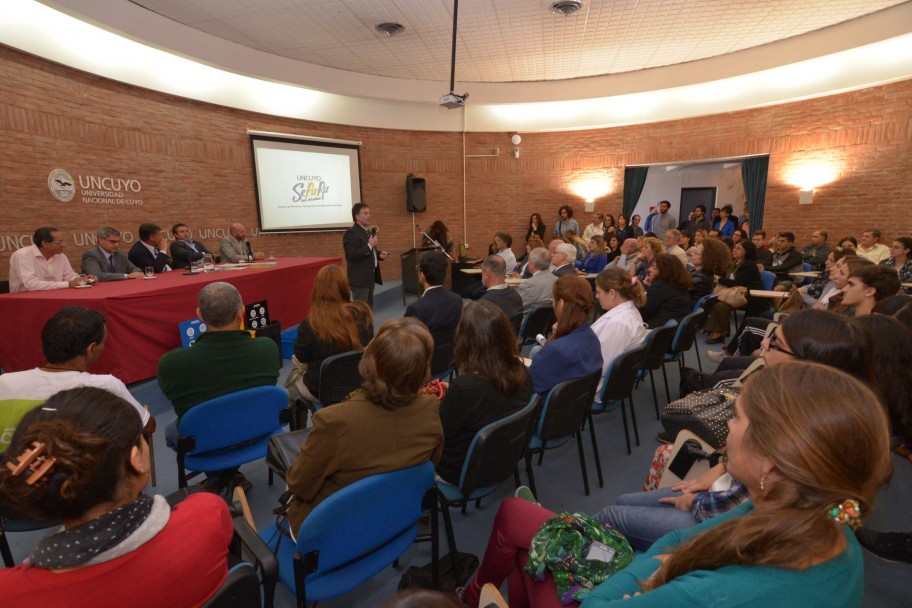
x=703, y=413
x=284, y=449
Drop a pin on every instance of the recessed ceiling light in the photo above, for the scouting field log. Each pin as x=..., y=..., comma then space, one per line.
x=390, y=29
x=566, y=7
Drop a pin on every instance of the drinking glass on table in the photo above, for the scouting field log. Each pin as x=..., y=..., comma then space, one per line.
x=208, y=263
x=149, y=271
x=82, y=280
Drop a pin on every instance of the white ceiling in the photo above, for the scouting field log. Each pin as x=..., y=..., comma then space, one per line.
x=504, y=41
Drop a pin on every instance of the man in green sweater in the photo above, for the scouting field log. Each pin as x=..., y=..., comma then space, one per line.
x=223, y=360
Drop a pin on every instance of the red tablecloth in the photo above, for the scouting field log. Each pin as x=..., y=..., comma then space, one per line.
x=142, y=316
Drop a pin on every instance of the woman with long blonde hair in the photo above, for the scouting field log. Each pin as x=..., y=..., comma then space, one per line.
x=335, y=325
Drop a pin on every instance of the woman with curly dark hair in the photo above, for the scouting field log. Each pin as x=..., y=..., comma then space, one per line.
x=536, y=226
x=711, y=258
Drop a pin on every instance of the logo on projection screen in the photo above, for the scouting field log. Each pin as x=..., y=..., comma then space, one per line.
x=61, y=185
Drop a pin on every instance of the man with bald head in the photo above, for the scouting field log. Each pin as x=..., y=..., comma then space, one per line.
x=628, y=258
x=235, y=248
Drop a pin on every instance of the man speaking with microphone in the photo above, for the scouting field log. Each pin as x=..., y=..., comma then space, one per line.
x=362, y=256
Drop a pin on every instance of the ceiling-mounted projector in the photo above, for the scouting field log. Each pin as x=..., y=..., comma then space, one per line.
x=452, y=100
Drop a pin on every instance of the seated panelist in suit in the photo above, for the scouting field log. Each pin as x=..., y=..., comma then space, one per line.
x=235, y=247
x=106, y=261
x=147, y=252
x=439, y=309
x=184, y=249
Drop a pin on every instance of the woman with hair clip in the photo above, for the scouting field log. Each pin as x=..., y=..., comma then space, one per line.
x=384, y=426
x=335, y=325
x=573, y=350
x=81, y=459
x=867, y=286
x=790, y=545
x=667, y=296
x=492, y=382
x=621, y=326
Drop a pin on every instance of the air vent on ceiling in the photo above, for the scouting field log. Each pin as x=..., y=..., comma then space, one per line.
x=390, y=29
x=566, y=7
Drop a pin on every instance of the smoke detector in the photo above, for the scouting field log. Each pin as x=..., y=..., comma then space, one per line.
x=566, y=7
x=390, y=29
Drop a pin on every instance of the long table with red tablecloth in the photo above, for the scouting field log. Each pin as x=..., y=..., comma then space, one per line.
x=143, y=315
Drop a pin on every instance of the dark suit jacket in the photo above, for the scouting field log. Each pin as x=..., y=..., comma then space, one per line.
x=182, y=254
x=142, y=257
x=439, y=309
x=565, y=269
x=664, y=301
x=360, y=258
x=95, y=261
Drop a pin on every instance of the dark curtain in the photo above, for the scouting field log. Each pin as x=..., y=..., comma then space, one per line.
x=634, y=180
x=753, y=174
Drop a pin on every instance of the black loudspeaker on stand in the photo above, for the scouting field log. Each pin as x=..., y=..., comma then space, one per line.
x=415, y=191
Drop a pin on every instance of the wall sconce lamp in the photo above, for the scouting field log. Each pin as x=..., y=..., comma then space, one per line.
x=516, y=139
x=805, y=196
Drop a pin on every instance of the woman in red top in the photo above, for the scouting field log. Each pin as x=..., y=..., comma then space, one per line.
x=81, y=459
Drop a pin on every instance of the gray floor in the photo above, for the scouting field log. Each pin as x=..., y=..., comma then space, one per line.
x=559, y=484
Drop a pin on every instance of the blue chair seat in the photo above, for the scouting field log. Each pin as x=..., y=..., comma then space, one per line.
x=224, y=459
x=537, y=444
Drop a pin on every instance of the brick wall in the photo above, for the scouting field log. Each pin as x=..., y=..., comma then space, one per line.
x=193, y=161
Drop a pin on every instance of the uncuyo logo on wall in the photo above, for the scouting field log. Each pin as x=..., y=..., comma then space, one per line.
x=61, y=185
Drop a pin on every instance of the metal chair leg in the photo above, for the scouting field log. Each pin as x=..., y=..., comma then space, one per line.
x=626, y=431
x=582, y=457
x=655, y=397
x=598, y=461
x=530, y=475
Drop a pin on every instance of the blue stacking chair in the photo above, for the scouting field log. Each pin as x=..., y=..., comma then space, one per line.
x=706, y=303
x=339, y=376
x=684, y=339
x=658, y=341
x=354, y=534
x=229, y=431
x=768, y=279
x=618, y=386
x=538, y=321
x=567, y=407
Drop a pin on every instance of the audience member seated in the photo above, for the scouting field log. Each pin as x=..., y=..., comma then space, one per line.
x=595, y=259
x=764, y=255
x=105, y=261
x=184, y=250
x=786, y=544
x=621, y=326
x=439, y=308
x=649, y=249
x=492, y=383
x=817, y=293
x=573, y=349
x=629, y=256
x=536, y=227
x=147, y=252
x=224, y=359
x=562, y=258
x=871, y=248
x=786, y=259
x=498, y=293
x=522, y=269
x=503, y=242
x=867, y=286
x=612, y=248
x=738, y=235
x=72, y=341
x=710, y=259
x=581, y=246
x=671, y=241
x=849, y=242
x=668, y=295
x=815, y=253
x=624, y=231
x=899, y=259
x=609, y=226
x=82, y=459
x=742, y=272
x=538, y=290
x=384, y=426
x=821, y=337
x=565, y=223
x=42, y=266
x=236, y=248
x=335, y=325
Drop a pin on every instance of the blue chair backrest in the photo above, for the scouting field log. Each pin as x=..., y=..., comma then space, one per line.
x=364, y=516
x=768, y=279
x=686, y=332
x=566, y=406
x=621, y=373
x=234, y=418
x=806, y=267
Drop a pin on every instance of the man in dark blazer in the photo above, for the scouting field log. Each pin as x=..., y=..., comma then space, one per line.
x=105, y=260
x=184, y=249
x=147, y=252
x=439, y=309
x=562, y=259
x=362, y=256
